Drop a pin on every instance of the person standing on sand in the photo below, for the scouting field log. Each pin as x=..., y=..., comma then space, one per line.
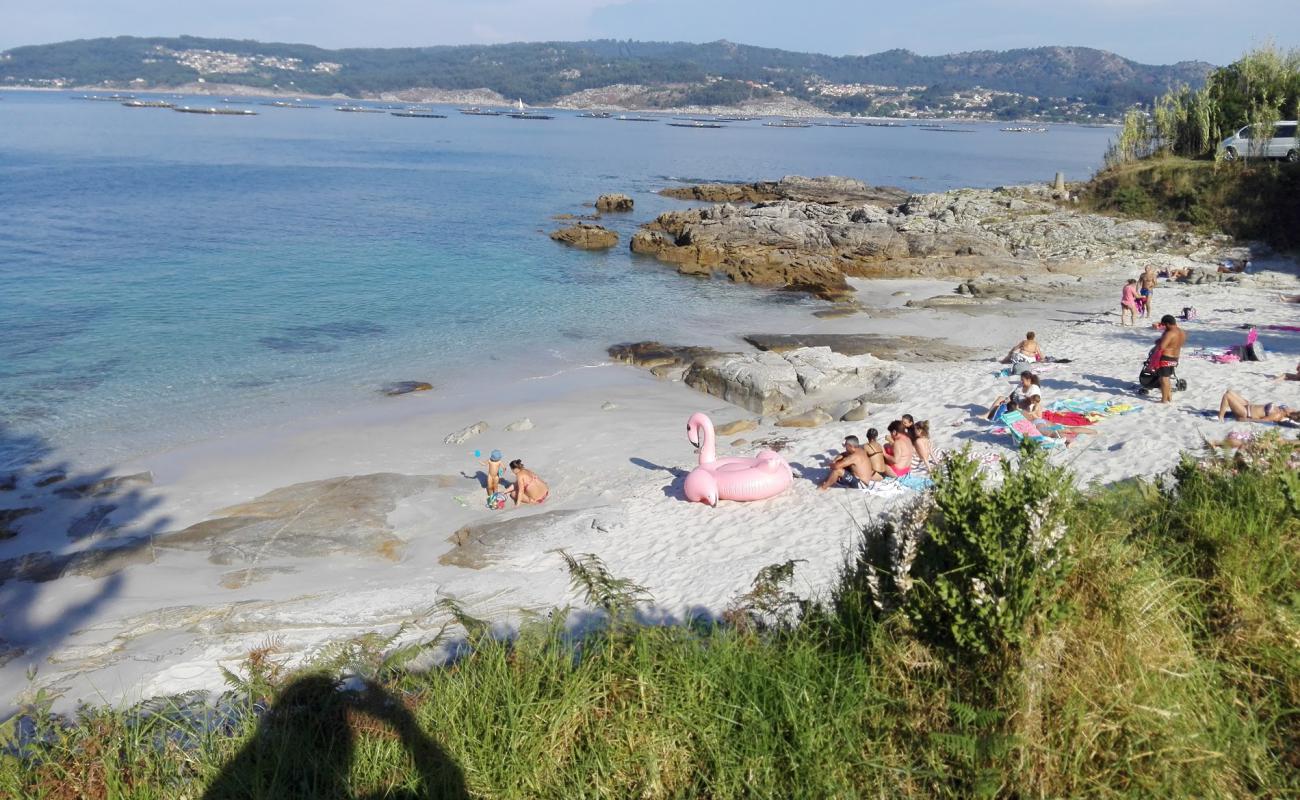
x=1128, y=302
x=1147, y=289
x=1164, y=356
x=850, y=469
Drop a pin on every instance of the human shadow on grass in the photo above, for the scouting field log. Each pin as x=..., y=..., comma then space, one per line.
x=305, y=746
x=57, y=521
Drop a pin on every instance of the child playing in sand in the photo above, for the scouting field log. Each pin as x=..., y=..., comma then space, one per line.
x=1128, y=302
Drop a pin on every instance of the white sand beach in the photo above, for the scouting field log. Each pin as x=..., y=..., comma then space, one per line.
x=610, y=440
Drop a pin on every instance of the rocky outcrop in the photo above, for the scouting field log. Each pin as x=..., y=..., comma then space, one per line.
x=586, y=237
x=829, y=190
x=882, y=346
x=614, y=202
x=465, y=434
x=345, y=516
x=766, y=382
x=405, y=387
x=967, y=233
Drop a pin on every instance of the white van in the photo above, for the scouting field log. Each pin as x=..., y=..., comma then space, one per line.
x=1244, y=143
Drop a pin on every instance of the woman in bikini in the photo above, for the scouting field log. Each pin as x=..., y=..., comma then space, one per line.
x=528, y=489
x=1246, y=411
x=898, y=454
x=921, y=441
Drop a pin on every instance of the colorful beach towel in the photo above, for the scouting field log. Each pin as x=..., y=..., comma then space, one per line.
x=1022, y=428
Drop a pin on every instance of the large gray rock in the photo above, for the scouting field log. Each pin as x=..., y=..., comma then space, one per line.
x=465, y=434
x=882, y=346
x=764, y=383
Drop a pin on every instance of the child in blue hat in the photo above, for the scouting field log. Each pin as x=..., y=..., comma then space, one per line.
x=495, y=472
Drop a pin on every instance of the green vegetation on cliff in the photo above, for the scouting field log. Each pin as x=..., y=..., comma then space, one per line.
x=1251, y=201
x=1008, y=638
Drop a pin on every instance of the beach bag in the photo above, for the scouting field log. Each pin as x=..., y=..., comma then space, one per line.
x=1189, y=314
x=496, y=501
x=1255, y=351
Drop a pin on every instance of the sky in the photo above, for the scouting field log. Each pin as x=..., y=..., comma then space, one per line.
x=1150, y=31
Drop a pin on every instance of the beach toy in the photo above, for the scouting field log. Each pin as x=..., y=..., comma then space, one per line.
x=758, y=478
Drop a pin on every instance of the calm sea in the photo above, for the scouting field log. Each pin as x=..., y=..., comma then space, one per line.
x=167, y=277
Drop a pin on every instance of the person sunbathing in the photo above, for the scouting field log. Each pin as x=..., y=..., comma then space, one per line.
x=1029, y=407
x=921, y=442
x=851, y=468
x=1246, y=411
x=1290, y=376
x=899, y=452
x=1028, y=387
x=1027, y=351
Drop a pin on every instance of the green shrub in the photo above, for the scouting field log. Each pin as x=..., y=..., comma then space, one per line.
x=993, y=556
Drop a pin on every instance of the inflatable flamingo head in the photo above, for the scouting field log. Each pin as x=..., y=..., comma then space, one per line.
x=701, y=487
x=695, y=427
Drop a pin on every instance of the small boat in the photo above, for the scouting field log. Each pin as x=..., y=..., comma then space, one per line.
x=786, y=123
x=148, y=104
x=695, y=124
x=529, y=115
x=417, y=112
x=359, y=109
x=1024, y=129
x=229, y=112
x=480, y=112
x=626, y=118
x=595, y=115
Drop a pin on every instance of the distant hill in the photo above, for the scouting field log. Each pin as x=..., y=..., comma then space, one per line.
x=720, y=72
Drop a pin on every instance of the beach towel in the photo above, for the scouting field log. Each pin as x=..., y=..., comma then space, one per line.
x=1070, y=418
x=1290, y=328
x=1022, y=428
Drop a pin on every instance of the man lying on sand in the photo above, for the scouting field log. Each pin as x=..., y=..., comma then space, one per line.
x=1244, y=410
x=528, y=488
x=853, y=467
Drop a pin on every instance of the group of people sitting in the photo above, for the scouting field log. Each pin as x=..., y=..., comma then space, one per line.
x=907, y=448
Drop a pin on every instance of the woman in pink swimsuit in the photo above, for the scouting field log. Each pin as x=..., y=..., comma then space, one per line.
x=1128, y=302
x=528, y=489
x=899, y=457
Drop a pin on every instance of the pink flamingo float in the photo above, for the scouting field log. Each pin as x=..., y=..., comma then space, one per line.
x=763, y=476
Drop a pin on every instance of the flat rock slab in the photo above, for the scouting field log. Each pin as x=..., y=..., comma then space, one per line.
x=465, y=434
x=586, y=237
x=345, y=516
x=483, y=544
x=882, y=346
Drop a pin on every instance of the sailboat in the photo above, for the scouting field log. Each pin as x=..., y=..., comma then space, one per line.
x=522, y=114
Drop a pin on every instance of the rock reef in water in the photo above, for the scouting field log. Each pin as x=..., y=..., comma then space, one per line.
x=586, y=237
x=614, y=203
x=815, y=246
x=829, y=190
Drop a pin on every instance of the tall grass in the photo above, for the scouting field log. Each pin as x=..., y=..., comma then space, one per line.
x=1152, y=652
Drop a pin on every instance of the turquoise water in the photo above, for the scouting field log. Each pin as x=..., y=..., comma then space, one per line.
x=168, y=277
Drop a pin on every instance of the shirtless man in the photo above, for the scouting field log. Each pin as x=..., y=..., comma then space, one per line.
x=1147, y=288
x=850, y=468
x=1165, y=356
x=899, y=457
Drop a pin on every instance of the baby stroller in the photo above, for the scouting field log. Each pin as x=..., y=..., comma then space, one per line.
x=1148, y=380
